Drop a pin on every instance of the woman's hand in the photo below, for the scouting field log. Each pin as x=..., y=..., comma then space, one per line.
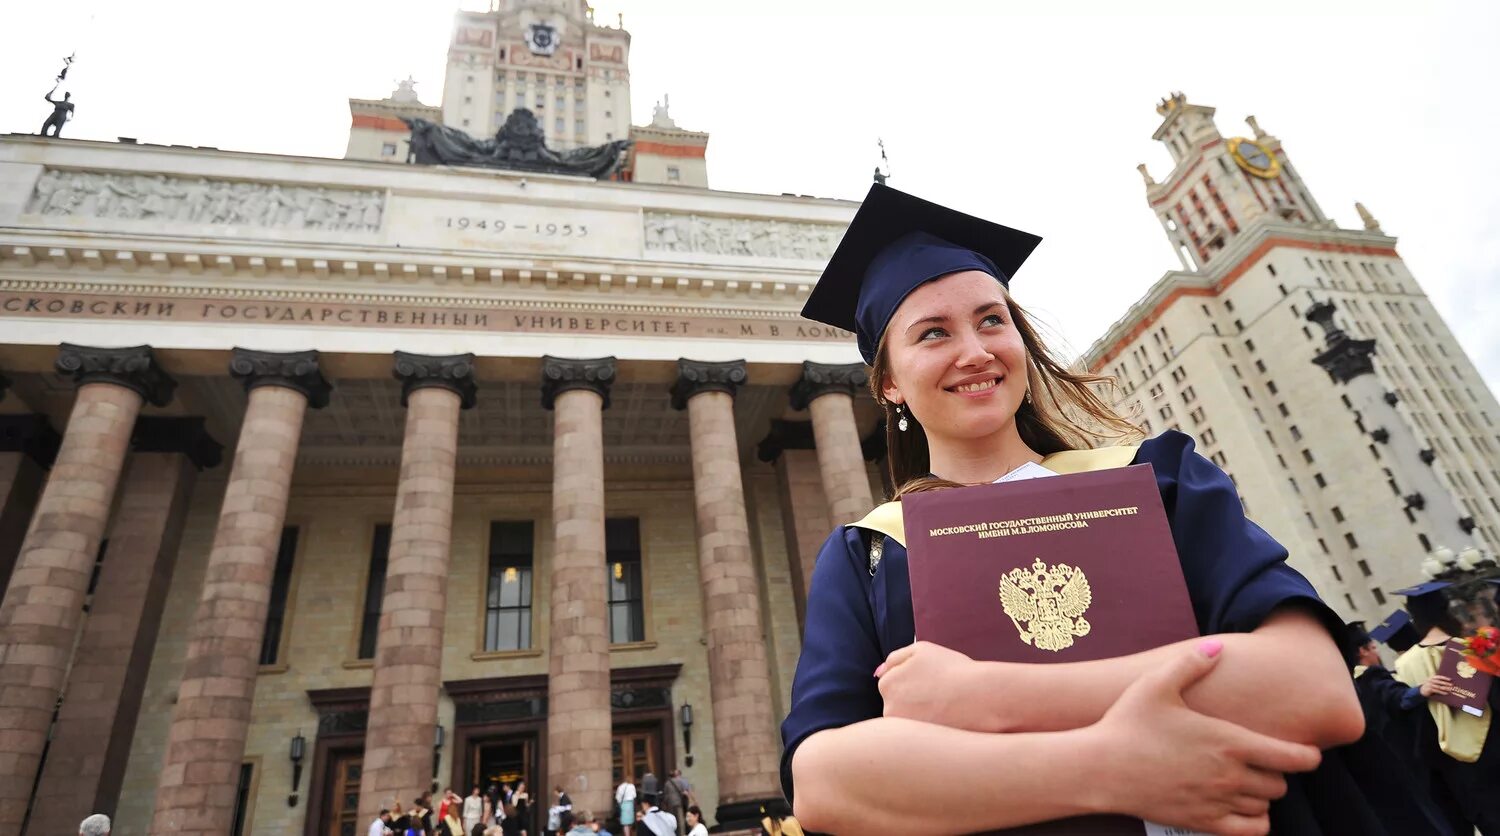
x=1163, y=762
x=1436, y=684
x=931, y=683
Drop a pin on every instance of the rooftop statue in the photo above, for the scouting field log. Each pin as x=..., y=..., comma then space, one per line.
x=520, y=145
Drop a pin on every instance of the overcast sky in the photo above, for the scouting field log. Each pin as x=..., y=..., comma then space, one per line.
x=1034, y=115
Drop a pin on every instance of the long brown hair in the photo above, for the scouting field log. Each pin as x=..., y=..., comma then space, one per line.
x=1062, y=411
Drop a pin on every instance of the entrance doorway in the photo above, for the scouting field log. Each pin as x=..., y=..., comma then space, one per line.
x=342, y=805
x=636, y=751
x=508, y=758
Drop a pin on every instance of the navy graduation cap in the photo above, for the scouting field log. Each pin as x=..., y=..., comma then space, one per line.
x=1426, y=588
x=1390, y=626
x=895, y=244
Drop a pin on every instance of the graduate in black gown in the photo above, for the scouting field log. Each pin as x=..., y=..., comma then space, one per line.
x=884, y=735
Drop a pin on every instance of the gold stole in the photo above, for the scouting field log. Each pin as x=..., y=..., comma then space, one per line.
x=886, y=518
x=1460, y=734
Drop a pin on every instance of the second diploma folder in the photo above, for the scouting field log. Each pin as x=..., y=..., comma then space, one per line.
x=1067, y=568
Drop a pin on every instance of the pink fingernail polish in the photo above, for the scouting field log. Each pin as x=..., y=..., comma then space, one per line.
x=1211, y=647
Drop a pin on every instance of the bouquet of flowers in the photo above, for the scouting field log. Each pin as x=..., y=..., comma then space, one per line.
x=1482, y=650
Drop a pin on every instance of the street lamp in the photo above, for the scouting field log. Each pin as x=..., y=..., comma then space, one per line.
x=437, y=753
x=687, y=732
x=299, y=749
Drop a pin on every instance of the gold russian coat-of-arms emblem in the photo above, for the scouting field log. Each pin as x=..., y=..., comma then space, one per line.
x=1050, y=601
x=1466, y=670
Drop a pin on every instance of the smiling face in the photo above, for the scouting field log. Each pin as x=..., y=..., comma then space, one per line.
x=955, y=359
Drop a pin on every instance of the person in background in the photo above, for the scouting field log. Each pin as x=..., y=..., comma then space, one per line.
x=95, y=825
x=674, y=797
x=695, y=821
x=597, y=827
x=651, y=818
x=473, y=809
x=381, y=826
x=522, y=801
x=779, y=820
x=625, y=797
x=1461, y=751
x=576, y=824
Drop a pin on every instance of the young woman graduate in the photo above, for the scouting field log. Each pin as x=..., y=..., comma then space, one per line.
x=1199, y=735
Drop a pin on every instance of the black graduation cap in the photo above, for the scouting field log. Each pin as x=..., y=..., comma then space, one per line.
x=895, y=244
x=1396, y=631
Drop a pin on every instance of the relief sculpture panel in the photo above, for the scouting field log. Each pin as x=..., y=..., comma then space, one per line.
x=200, y=200
x=672, y=232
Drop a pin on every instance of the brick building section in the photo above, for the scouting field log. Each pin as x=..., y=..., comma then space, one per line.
x=409, y=648
x=578, y=710
x=43, y=604
x=86, y=761
x=206, y=741
x=845, y=479
x=744, y=728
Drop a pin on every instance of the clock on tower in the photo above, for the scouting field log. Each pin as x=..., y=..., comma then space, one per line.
x=1254, y=158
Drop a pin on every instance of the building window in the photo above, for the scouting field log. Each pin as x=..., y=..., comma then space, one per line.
x=1379, y=596
x=1250, y=345
x=1296, y=433
x=1349, y=599
x=242, y=799
x=369, y=628
x=1349, y=538
x=388, y=149
x=1307, y=455
x=622, y=546
x=559, y=126
x=1336, y=574
x=1426, y=544
x=507, y=605
x=674, y=174
x=1338, y=515
x=1364, y=568
x=281, y=584
x=1318, y=478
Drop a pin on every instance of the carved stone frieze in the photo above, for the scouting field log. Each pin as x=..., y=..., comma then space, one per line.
x=560, y=374
x=694, y=376
x=292, y=369
x=820, y=379
x=134, y=368
x=454, y=372
x=201, y=200
x=686, y=233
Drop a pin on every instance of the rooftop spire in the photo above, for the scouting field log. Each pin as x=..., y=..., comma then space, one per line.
x=1255, y=126
x=1369, y=220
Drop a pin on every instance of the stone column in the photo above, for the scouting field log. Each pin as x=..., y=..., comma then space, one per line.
x=745, y=745
x=828, y=393
x=206, y=740
x=578, y=712
x=40, y=615
x=28, y=446
x=804, y=506
x=409, y=645
x=95, y=726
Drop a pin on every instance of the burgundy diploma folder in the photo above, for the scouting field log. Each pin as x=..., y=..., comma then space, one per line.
x=1471, y=686
x=1058, y=569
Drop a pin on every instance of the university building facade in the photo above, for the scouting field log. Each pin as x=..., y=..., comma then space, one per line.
x=1307, y=361
x=416, y=474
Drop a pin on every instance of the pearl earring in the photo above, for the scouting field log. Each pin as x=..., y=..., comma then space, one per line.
x=901, y=423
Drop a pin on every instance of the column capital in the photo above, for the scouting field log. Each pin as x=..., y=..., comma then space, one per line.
x=785, y=435
x=32, y=435
x=819, y=379
x=694, y=376
x=454, y=372
x=297, y=370
x=134, y=368
x=560, y=374
x=185, y=435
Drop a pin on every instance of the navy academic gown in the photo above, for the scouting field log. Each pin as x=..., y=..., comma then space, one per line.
x=1236, y=575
